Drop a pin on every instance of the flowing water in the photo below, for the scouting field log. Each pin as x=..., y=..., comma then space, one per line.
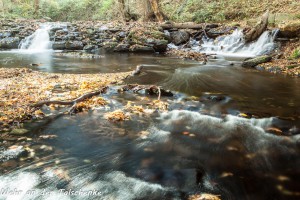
x=234, y=45
x=201, y=145
x=38, y=41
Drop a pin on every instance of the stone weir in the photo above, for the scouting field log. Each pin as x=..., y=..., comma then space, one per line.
x=115, y=36
x=88, y=36
x=109, y=36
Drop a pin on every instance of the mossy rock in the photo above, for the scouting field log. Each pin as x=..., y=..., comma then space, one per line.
x=9, y=43
x=290, y=30
x=158, y=35
x=109, y=46
x=141, y=49
x=19, y=131
x=256, y=61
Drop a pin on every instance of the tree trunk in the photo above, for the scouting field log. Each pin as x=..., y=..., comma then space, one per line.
x=36, y=6
x=157, y=12
x=256, y=31
x=148, y=12
x=122, y=8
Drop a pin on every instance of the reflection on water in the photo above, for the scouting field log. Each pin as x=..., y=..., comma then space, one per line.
x=199, y=146
x=50, y=61
x=43, y=60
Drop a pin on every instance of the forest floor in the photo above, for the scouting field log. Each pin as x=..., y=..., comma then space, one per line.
x=287, y=61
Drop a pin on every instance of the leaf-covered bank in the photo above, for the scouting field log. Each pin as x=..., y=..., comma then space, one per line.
x=21, y=88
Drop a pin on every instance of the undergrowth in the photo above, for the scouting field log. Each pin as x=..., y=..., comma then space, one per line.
x=176, y=10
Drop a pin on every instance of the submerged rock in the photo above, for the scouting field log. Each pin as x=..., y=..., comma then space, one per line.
x=256, y=61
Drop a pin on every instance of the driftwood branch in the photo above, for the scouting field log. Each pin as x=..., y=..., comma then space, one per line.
x=73, y=102
x=256, y=31
x=159, y=93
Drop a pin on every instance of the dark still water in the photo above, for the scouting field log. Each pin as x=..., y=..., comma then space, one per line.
x=200, y=145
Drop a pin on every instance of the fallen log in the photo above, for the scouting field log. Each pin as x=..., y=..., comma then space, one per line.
x=182, y=26
x=72, y=102
x=187, y=25
x=258, y=29
x=256, y=61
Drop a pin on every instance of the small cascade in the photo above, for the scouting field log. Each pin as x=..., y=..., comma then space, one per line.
x=38, y=41
x=234, y=45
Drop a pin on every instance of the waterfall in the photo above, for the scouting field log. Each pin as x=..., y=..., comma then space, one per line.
x=234, y=45
x=38, y=41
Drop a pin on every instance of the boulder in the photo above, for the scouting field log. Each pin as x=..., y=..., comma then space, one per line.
x=54, y=29
x=179, y=37
x=122, y=48
x=9, y=43
x=158, y=45
x=256, y=61
x=290, y=30
x=141, y=49
x=89, y=47
x=109, y=46
x=59, y=45
x=216, y=32
x=74, y=45
x=122, y=34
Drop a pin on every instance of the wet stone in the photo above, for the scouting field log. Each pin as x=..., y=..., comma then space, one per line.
x=122, y=48
x=19, y=132
x=179, y=37
x=10, y=164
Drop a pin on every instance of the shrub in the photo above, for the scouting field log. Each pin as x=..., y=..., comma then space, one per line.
x=295, y=54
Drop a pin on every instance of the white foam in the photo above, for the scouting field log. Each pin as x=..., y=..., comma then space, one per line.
x=234, y=45
x=38, y=41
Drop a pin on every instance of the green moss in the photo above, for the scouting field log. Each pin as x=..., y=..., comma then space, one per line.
x=292, y=66
x=157, y=35
x=295, y=54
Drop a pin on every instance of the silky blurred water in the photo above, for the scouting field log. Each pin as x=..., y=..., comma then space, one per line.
x=198, y=146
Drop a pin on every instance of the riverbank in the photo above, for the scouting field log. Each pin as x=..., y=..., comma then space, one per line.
x=21, y=88
x=287, y=61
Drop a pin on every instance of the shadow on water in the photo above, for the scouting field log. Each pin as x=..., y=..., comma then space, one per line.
x=196, y=147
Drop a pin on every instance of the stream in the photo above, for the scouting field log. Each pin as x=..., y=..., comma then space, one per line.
x=198, y=146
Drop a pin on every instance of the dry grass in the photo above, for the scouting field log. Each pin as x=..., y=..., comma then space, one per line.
x=223, y=10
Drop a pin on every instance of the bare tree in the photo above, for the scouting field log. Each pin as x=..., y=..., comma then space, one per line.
x=157, y=12
x=36, y=6
x=148, y=12
x=122, y=8
x=152, y=11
